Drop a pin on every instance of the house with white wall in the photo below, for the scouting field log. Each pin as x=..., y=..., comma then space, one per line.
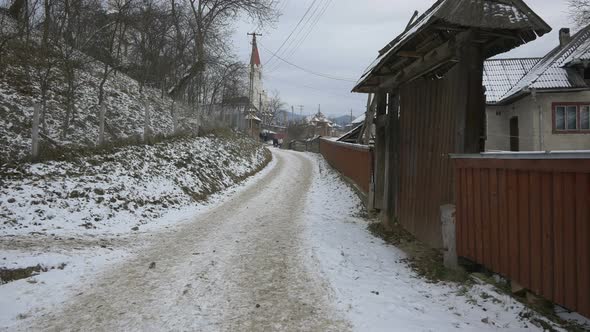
x=541, y=104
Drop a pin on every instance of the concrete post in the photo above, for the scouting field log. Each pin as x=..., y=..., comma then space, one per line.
x=447, y=215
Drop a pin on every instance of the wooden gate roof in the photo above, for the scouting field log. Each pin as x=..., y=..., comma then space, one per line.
x=427, y=45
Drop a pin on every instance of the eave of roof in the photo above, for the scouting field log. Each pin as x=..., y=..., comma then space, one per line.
x=506, y=16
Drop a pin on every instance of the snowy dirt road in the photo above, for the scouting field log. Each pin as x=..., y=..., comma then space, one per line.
x=239, y=267
x=287, y=251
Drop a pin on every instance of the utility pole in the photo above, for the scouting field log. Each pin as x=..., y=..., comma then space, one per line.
x=300, y=110
x=292, y=113
x=251, y=89
x=351, y=119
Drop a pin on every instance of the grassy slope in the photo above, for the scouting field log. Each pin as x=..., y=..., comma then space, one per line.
x=113, y=192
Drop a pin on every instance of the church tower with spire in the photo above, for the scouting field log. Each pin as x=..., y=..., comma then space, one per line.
x=257, y=94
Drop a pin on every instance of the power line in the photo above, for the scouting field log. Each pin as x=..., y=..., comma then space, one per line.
x=308, y=70
x=297, y=42
x=294, y=29
x=318, y=90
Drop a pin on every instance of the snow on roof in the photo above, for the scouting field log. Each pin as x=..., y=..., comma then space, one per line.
x=552, y=72
x=252, y=117
x=501, y=75
x=358, y=120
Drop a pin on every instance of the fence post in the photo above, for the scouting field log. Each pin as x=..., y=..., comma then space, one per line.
x=146, y=124
x=35, y=132
x=101, y=119
x=447, y=216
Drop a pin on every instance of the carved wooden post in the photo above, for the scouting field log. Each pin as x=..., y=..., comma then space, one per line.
x=388, y=212
x=380, y=147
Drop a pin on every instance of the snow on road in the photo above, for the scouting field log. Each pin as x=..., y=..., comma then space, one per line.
x=288, y=251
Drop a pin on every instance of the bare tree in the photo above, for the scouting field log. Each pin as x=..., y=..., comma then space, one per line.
x=209, y=18
x=579, y=10
x=275, y=107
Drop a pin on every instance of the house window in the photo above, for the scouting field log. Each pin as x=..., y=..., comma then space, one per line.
x=571, y=118
x=585, y=117
x=560, y=118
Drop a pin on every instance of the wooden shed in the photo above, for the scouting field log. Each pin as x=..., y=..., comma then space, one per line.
x=429, y=102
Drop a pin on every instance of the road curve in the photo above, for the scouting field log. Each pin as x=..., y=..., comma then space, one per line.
x=242, y=266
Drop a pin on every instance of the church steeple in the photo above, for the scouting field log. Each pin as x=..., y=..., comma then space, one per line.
x=255, y=58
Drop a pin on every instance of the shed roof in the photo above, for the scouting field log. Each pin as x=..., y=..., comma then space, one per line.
x=509, y=21
x=554, y=71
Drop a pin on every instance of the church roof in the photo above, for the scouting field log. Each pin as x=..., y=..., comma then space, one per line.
x=255, y=59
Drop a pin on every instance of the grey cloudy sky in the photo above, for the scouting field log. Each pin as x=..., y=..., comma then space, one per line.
x=345, y=41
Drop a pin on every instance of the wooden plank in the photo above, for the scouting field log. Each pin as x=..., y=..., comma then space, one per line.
x=569, y=241
x=477, y=215
x=458, y=213
x=494, y=221
x=471, y=216
x=536, y=233
x=583, y=242
x=465, y=214
x=485, y=218
x=524, y=230
x=558, y=259
x=547, y=252
x=513, y=234
x=503, y=223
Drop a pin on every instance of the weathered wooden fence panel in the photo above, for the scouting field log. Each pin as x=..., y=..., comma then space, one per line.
x=351, y=160
x=529, y=220
x=427, y=135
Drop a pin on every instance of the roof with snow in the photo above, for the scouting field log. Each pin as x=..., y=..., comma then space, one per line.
x=511, y=78
x=501, y=75
x=358, y=120
x=252, y=117
x=503, y=25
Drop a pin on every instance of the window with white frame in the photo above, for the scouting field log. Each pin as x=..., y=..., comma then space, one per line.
x=571, y=118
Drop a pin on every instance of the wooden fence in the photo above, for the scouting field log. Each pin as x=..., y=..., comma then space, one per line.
x=527, y=218
x=352, y=160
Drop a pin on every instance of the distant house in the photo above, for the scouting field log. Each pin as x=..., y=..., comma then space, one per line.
x=320, y=125
x=540, y=104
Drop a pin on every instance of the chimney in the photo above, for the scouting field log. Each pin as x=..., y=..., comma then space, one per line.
x=564, y=36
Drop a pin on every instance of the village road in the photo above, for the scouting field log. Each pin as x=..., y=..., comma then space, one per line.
x=241, y=266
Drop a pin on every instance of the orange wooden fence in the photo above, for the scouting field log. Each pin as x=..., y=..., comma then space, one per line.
x=527, y=218
x=351, y=160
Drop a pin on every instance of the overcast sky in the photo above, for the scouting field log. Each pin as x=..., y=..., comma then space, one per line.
x=345, y=41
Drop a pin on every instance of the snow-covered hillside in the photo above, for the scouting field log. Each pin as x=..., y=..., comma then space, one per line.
x=117, y=192
x=20, y=89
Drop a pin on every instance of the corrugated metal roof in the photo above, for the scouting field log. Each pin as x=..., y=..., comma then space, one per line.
x=512, y=15
x=501, y=75
x=552, y=71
